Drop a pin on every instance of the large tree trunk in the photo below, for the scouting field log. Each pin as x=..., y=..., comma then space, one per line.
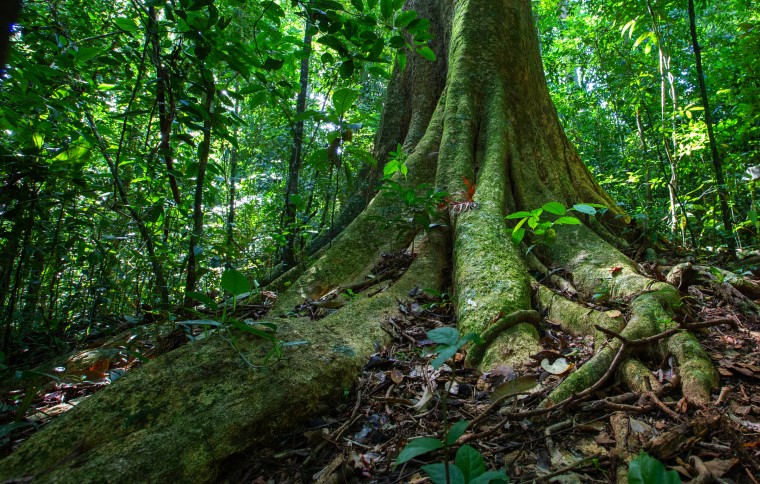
x=188, y=414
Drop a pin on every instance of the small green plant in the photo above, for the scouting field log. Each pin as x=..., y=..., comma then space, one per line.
x=468, y=467
x=442, y=299
x=235, y=283
x=543, y=229
x=419, y=204
x=645, y=469
x=396, y=163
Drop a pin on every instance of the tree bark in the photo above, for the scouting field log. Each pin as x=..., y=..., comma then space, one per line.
x=289, y=222
x=165, y=101
x=203, y=153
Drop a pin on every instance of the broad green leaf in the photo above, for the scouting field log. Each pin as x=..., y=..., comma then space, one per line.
x=401, y=57
x=629, y=26
x=38, y=141
x=456, y=431
x=347, y=68
x=235, y=282
x=126, y=24
x=645, y=469
x=386, y=8
x=85, y=54
x=427, y=53
x=343, y=99
x=250, y=329
x=200, y=322
x=200, y=297
x=404, y=18
x=379, y=71
x=358, y=5
x=584, y=208
x=444, y=353
x=418, y=26
x=516, y=215
x=567, y=221
x=470, y=462
x=518, y=235
x=272, y=64
x=6, y=429
x=445, y=336
x=641, y=39
x=418, y=447
x=555, y=207
x=437, y=473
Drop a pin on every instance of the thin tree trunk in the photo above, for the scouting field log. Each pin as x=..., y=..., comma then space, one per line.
x=158, y=271
x=645, y=151
x=289, y=223
x=165, y=106
x=665, y=78
x=203, y=154
x=232, y=194
x=716, y=161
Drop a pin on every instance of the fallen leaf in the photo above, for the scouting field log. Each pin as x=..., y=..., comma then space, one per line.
x=560, y=366
x=720, y=467
x=397, y=376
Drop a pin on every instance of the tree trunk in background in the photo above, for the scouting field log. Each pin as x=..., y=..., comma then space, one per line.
x=232, y=195
x=716, y=161
x=165, y=101
x=203, y=153
x=409, y=104
x=155, y=263
x=290, y=219
x=9, y=12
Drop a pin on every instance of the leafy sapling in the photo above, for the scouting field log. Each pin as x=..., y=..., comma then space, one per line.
x=543, y=229
x=396, y=163
x=418, y=205
x=236, y=283
x=468, y=467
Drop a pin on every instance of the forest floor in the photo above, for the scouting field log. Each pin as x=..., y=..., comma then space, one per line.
x=399, y=397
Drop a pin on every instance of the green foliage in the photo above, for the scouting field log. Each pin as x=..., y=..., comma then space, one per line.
x=449, y=343
x=137, y=95
x=645, y=469
x=644, y=134
x=237, y=284
x=469, y=466
x=396, y=163
x=543, y=229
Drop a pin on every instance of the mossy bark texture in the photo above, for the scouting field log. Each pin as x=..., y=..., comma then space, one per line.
x=481, y=113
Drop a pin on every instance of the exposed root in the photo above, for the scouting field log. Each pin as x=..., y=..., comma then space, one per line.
x=577, y=319
x=501, y=324
x=596, y=266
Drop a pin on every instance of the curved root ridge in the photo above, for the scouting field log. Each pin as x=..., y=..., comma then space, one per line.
x=651, y=311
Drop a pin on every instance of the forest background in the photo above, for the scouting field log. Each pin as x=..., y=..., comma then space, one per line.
x=149, y=148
